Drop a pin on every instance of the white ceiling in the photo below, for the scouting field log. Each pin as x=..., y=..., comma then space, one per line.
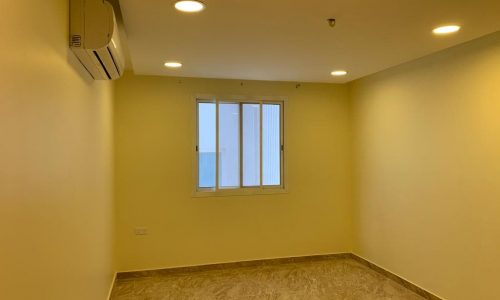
x=288, y=40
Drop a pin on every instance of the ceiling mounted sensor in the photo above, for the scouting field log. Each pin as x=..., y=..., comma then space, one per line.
x=339, y=73
x=189, y=6
x=94, y=38
x=448, y=29
x=173, y=64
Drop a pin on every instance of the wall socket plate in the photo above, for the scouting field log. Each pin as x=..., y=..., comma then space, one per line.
x=140, y=231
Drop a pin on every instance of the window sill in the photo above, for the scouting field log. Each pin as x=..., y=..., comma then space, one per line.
x=240, y=192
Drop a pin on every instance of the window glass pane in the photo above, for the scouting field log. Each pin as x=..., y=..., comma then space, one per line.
x=251, y=144
x=271, y=144
x=229, y=145
x=206, y=145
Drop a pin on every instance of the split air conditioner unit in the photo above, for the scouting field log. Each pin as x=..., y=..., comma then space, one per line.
x=94, y=38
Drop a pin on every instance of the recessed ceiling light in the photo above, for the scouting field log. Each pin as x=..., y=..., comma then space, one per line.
x=339, y=73
x=173, y=64
x=446, y=29
x=189, y=6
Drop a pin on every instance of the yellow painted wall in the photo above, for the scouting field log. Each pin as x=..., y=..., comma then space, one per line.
x=154, y=142
x=55, y=162
x=428, y=170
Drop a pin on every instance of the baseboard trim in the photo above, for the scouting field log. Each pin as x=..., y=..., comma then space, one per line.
x=407, y=284
x=273, y=261
x=224, y=265
x=113, y=280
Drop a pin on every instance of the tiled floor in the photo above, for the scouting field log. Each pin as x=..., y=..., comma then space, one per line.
x=331, y=278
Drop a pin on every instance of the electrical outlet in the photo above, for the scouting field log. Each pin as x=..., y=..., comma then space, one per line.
x=141, y=231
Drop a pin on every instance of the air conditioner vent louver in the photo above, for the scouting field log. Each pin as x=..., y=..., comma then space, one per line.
x=102, y=64
x=113, y=59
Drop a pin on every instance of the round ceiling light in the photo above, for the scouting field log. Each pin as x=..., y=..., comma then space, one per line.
x=339, y=73
x=173, y=64
x=189, y=6
x=446, y=29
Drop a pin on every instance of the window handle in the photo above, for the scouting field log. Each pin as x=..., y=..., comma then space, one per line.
x=196, y=148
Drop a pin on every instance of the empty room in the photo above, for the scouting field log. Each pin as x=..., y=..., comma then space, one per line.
x=250, y=149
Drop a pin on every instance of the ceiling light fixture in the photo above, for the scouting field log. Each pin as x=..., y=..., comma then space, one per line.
x=446, y=29
x=173, y=64
x=339, y=73
x=189, y=6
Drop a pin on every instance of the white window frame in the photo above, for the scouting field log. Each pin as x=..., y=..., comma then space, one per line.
x=242, y=190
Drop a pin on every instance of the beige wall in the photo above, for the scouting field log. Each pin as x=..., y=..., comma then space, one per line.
x=154, y=142
x=55, y=157
x=428, y=170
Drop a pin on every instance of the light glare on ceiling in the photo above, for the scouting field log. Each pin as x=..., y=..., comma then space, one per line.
x=189, y=6
x=173, y=64
x=339, y=73
x=446, y=29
